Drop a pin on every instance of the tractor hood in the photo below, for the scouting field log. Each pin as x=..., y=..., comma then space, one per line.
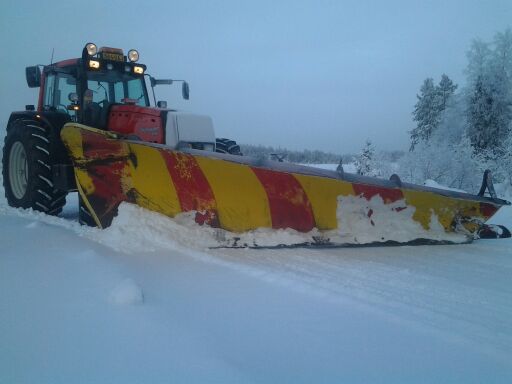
x=189, y=130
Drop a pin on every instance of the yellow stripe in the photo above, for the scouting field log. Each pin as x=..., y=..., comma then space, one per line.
x=323, y=194
x=87, y=204
x=152, y=182
x=242, y=202
x=72, y=138
x=446, y=208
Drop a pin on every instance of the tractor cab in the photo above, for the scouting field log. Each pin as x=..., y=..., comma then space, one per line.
x=107, y=90
x=89, y=90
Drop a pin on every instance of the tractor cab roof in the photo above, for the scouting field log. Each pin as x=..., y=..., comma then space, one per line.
x=66, y=63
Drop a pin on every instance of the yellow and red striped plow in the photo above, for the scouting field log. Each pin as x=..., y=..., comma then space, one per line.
x=227, y=193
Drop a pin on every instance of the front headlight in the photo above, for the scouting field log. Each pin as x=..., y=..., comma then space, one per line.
x=94, y=64
x=133, y=55
x=91, y=49
x=138, y=70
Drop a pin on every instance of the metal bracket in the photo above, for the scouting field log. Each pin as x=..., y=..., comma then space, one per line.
x=487, y=185
x=396, y=179
x=339, y=168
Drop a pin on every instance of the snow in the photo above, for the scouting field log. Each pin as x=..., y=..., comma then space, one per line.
x=349, y=167
x=138, y=230
x=147, y=301
x=127, y=292
x=362, y=222
x=434, y=184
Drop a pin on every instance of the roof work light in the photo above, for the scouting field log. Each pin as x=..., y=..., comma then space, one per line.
x=91, y=48
x=133, y=55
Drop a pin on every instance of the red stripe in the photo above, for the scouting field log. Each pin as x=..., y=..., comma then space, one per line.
x=389, y=195
x=106, y=166
x=97, y=146
x=192, y=188
x=289, y=204
x=488, y=210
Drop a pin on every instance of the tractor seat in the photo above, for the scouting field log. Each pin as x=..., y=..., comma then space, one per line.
x=96, y=114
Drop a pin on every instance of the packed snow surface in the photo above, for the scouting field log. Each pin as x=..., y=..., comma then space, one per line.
x=148, y=300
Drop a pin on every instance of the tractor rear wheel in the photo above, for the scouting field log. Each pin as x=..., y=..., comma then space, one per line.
x=227, y=146
x=27, y=171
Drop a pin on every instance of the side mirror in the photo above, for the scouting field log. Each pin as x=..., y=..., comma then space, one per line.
x=159, y=81
x=185, y=90
x=33, y=75
x=161, y=104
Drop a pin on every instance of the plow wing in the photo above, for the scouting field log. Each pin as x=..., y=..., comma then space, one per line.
x=240, y=194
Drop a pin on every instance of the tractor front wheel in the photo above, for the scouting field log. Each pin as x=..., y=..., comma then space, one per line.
x=26, y=169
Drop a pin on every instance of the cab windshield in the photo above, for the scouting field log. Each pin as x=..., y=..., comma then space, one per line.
x=116, y=87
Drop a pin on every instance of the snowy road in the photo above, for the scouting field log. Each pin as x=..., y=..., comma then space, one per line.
x=71, y=309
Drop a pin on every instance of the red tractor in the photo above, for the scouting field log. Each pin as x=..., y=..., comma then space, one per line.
x=103, y=89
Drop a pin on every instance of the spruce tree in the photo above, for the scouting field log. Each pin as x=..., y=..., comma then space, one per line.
x=432, y=101
x=365, y=161
x=424, y=113
x=445, y=90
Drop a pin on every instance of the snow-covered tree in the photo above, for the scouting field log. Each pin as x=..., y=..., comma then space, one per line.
x=365, y=162
x=463, y=166
x=428, y=111
x=489, y=103
x=506, y=160
x=425, y=113
x=447, y=163
x=499, y=161
x=502, y=55
x=453, y=125
x=479, y=56
x=445, y=91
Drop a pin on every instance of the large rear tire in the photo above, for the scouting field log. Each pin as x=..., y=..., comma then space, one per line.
x=227, y=146
x=27, y=171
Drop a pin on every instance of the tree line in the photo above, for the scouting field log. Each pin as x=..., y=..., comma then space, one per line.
x=304, y=157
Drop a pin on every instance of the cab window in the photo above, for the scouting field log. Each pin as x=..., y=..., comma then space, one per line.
x=131, y=89
x=114, y=87
x=119, y=92
x=57, y=88
x=49, y=85
x=100, y=91
x=136, y=91
x=65, y=85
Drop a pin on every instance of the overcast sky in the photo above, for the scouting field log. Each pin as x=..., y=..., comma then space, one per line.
x=316, y=74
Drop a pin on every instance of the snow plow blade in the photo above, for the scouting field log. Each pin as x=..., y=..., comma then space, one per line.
x=240, y=194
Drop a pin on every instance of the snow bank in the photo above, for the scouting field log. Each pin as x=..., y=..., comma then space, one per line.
x=136, y=230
